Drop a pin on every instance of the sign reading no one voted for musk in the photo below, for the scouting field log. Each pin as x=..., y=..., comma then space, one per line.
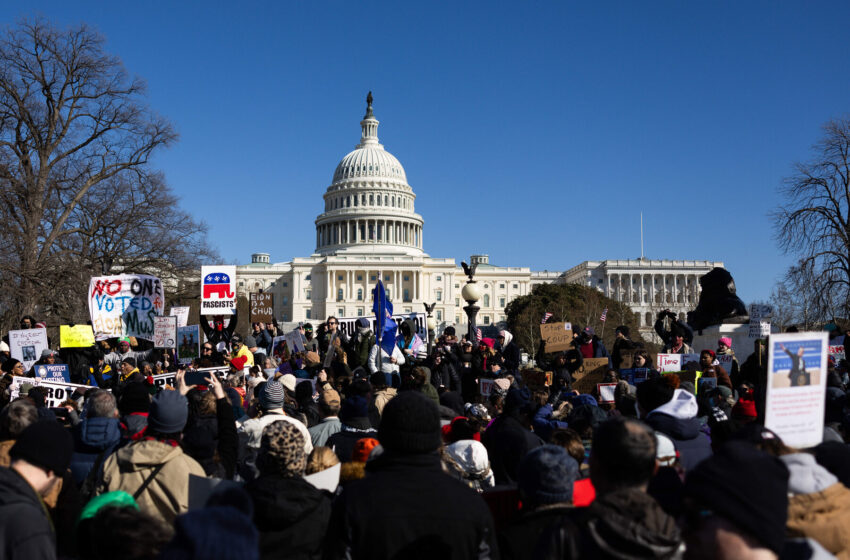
x=796, y=387
x=262, y=307
x=558, y=336
x=218, y=290
x=125, y=305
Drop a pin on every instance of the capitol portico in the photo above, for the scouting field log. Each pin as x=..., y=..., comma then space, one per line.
x=369, y=229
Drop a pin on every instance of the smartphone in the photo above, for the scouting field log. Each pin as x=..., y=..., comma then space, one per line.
x=197, y=377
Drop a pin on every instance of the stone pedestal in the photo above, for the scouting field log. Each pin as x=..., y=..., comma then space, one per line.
x=742, y=344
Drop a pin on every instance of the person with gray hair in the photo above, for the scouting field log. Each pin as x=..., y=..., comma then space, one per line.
x=96, y=436
x=14, y=418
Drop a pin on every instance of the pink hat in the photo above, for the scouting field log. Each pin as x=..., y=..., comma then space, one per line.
x=726, y=341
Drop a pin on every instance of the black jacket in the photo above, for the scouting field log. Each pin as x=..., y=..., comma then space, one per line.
x=292, y=516
x=693, y=445
x=26, y=532
x=407, y=507
x=510, y=353
x=507, y=442
x=344, y=440
x=519, y=539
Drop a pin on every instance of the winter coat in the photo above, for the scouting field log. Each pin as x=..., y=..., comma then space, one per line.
x=510, y=353
x=344, y=440
x=292, y=516
x=667, y=336
x=386, y=365
x=134, y=424
x=407, y=507
x=383, y=397
x=214, y=335
x=445, y=375
x=622, y=346
x=114, y=359
x=250, y=432
x=507, y=442
x=213, y=442
x=677, y=420
x=358, y=354
x=93, y=438
x=520, y=538
x=320, y=433
x=167, y=495
x=819, y=505
x=26, y=532
x=599, y=350
x=544, y=424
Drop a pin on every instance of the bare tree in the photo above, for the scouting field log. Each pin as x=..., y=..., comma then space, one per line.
x=814, y=224
x=77, y=193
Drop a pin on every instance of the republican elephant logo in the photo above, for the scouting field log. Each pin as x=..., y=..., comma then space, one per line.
x=217, y=285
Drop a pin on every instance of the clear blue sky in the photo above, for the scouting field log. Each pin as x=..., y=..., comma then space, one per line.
x=551, y=124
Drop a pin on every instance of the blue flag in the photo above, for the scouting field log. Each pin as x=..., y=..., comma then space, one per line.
x=386, y=327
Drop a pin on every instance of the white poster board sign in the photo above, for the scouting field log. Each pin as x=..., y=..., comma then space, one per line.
x=796, y=387
x=218, y=290
x=760, y=315
x=125, y=305
x=56, y=392
x=182, y=314
x=165, y=331
x=26, y=345
x=675, y=362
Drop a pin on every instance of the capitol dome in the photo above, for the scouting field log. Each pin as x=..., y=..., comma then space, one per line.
x=369, y=207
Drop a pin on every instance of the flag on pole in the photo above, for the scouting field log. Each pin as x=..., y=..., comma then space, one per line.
x=604, y=315
x=478, y=334
x=546, y=317
x=386, y=327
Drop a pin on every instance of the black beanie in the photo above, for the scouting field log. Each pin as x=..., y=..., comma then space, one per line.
x=135, y=397
x=654, y=392
x=747, y=487
x=834, y=456
x=410, y=424
x=45, y=444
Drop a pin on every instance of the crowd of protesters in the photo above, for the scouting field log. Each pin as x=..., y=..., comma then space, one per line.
x=350, y=449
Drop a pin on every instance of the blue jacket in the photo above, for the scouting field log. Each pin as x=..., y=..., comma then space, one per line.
x=543, y=423
x=691, y=443
x=92, y=437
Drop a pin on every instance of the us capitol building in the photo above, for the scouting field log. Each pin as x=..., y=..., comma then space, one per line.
x=369, y=229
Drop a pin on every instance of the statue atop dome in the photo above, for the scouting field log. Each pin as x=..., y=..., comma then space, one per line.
x=369, y=113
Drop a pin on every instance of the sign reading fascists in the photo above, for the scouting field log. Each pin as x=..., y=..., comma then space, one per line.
x=218, y=290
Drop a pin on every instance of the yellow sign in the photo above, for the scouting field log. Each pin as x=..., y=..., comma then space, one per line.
x=78, y=336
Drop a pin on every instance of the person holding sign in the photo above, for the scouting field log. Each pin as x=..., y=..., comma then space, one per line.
x=678, y=338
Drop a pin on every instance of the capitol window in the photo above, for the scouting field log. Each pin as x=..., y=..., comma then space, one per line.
x=486, y=300
x=307, y=277
x=308, y=314
x=359, y=294
x=486, y=319
x=371, y=200
x=339, y=277
x=439, y=295
x=439, y=278
x=359, y=311
x=439, y=315
x=502, y=302
x=339, y=296
x=359, y=277
x=309, y=294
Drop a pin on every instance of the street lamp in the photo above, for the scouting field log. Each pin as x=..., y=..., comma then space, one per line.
x=431, y=324
x=471, y=293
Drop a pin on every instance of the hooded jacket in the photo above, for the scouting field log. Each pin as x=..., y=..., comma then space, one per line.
x=26, y=532
x=510, y=352
x=467, y=460
x=93, y=438
x=507, y=442
x=819, y=506
x=677, y=420
x=292, y=516
x=167, y=495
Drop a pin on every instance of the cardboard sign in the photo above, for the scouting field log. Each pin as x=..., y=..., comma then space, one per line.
x=26, y=345
x=182, y=314
x=55, y=372
x=349, y=324
x=78, y=336
x=486, y=386
x=262, y=307
x=56, y=392
x=837, y=353
x=674, y=362
x=796, y=387
x=162, y=379
x=726, y=361
x=759, y=311
x=125, y=305
x=558, y=336
x=188, y=343
x=534, y=378
x=218, y=290
x=606, y=392
x=165, y=332
x=591, y=373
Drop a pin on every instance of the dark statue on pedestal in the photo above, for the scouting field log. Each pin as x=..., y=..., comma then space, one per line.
x=718, y=302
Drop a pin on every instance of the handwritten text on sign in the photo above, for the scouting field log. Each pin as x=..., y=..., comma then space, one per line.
x=558, y=336
x=262, y=307
x=125, y=305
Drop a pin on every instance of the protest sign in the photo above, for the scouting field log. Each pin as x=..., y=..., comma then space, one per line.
x=706, y=383
x=188, y=343
x=55, y=392
x=279, y=347
x=349, y=324
x=262, y=307
x=165, y=331
x=760, y=315
x=55, y=372
x=557, y=336
x=486, y=386
x=26, y=345
x=675, y=362
x=295, y=341
x=182, y=314
x=796, y=388
x=534, y=378
x=837, y=353
x=635, y=376
x=726, y=361
x=77, y=336
x=218, y=290
x=591, y=372
x=606, y=391
x=125, y=305
x=160, y=380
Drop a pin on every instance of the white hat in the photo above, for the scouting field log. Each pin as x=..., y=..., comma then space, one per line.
x=4, y=347
x=288, y=381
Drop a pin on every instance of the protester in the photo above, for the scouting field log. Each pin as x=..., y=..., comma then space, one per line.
x=509, y=437
x=329, y=407
x=355, y=425
x=96, y=436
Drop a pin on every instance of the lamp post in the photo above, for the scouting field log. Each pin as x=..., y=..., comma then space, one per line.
x=471, y=294
x=431, y=324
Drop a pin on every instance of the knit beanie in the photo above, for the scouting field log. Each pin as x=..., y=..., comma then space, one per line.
x=213, y=532
x=654, y=392
x=272, y=395
x=129, y=360
x=747, y=487
x=134, y=398
x=363, y=448
x=118, y=498
x=9, y=365
x=168, y=412
x=546, y=475
x=410, y=424
x=834, y=456
x=354, y=407
x=45, y=444
x=282, y=450
x=250, y=341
